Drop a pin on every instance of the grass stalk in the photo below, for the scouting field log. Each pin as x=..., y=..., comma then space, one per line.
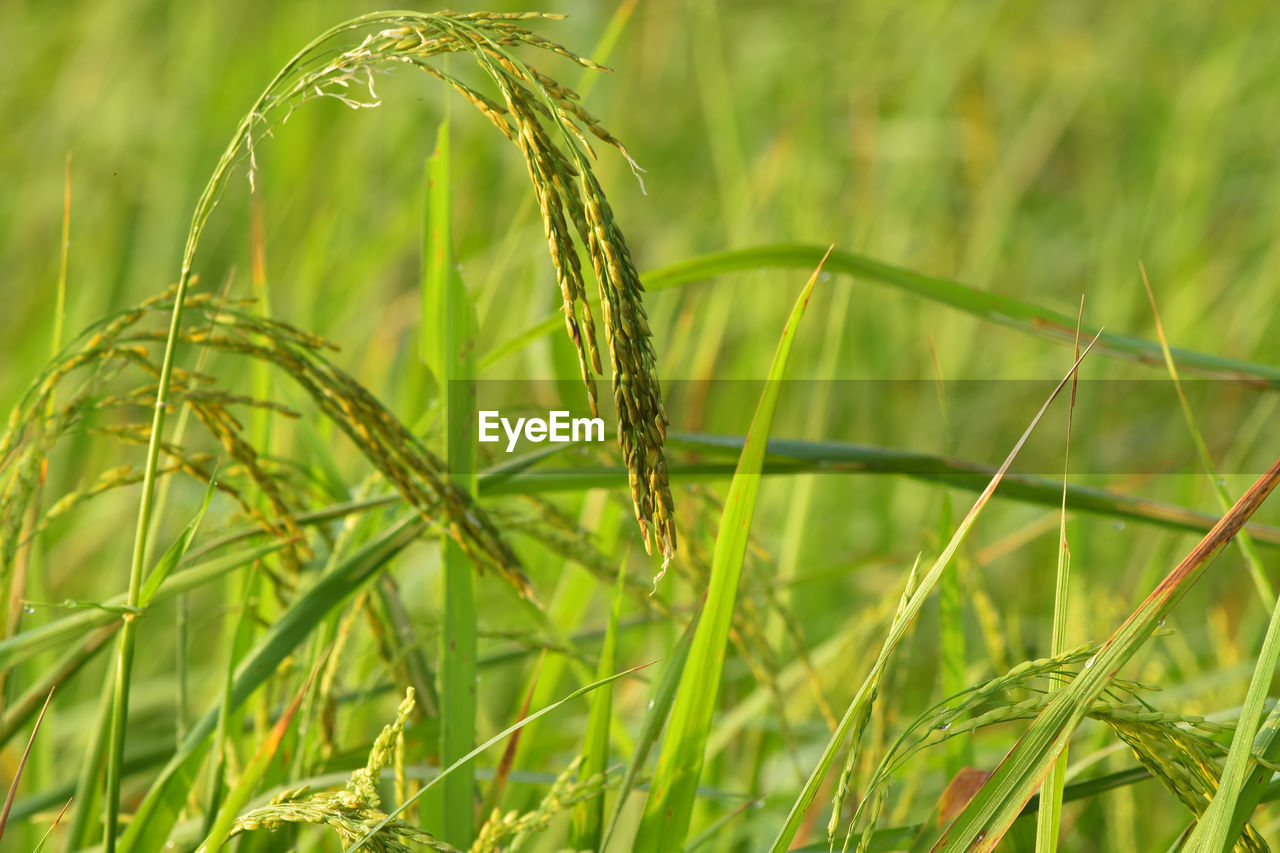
x=587, y=830
x=449, y=326
x=986, y=818
x=22, y=763
x=1266, y=594
x=858, y=713
x=953, y=660
x=1049, y=816
x=675, y=783
x=1223, y=821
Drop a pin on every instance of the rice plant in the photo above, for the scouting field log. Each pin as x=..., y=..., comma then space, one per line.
x=265, y=587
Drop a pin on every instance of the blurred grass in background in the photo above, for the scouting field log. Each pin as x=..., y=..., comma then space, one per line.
x=1035, y=151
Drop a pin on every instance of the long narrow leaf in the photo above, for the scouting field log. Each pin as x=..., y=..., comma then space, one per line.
x=1216, y=830
x=22, y=763
x=239, y=794
x=860, y=705
x=28, y=644
x=588, y=818
x=178, y=550
x=675, y=783
x=1257, y=785
x=787, y=457
x=449, y=329
x=21, y=710
x=990, y=813
x=155, y=817
x=1265, y=592
x=659, y=707
x=984, y=304
x=1049, y=818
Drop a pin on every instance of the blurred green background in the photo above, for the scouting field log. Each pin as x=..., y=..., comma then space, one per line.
x=1036, y=150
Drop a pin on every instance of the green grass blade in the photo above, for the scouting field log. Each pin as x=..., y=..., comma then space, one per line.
x=859, y=708
x=1049, y=817
x=239, y=639
x=986, y=305
x=1258, y=785
x=138, y=597
x=715, y=830
x=177, y=551
x=654, y=719
x=671, y=797
x=1217, y=830
x=1260, y=582
x=448, y=344
x=789, y=457
x=155, y=817
x=990, y=813
x=952, y=657
x=437, y=263
x=44, y=839
x=498, y=738
x=239, y=794
x=1223, y=821
x=22, y=763
x=25, y=707
x=28, y=644
x=86, y=793
x=119, y=714
x=588, y=819
x=799, y=457
x=838, y=457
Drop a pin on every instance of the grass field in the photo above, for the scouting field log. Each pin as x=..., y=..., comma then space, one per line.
x=827, y=589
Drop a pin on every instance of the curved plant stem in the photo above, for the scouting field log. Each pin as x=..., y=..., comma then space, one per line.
x=124, y=661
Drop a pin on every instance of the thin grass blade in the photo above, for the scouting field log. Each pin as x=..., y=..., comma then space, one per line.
x=448, y=344
x=167, y=796
x=989, y=814
x=860, y=705
x=503, y=772
x=498, y=738
x=1049, y=817
x=178, y=550
x=26, y=706
x=675, y=783
x=1217, y=830
x=240, y=637
x=238, y=797
x=1258, y=786
x=952, y=655
x=1256, y=571
x=28, y=644
x=587, y=829
x=44, y=839
x=984, y=304
x=654, y=719
x=22, y=763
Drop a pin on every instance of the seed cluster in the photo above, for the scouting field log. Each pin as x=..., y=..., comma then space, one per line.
x=228, y=327
x=511, y=830
x=355, y=810
x=552, y=131
x=1178, y=749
